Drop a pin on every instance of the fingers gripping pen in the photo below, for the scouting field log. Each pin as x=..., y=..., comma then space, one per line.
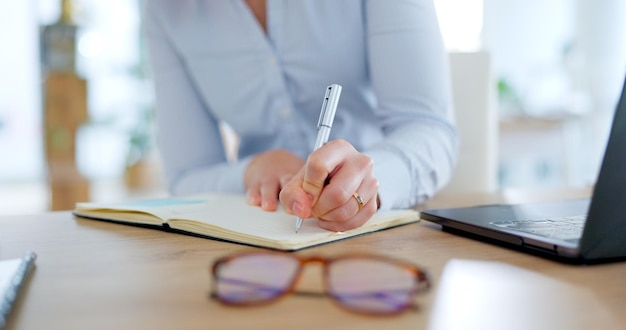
x=325, y=123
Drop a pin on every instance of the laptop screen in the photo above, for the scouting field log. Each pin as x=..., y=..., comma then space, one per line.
x=606, y=230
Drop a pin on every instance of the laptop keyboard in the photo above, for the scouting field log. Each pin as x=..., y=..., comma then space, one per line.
x=565, y=228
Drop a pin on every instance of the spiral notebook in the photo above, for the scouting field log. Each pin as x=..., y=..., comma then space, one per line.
x=13, y=275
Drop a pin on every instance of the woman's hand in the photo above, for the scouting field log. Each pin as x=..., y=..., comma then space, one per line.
x=266, y=174
x=327, y=186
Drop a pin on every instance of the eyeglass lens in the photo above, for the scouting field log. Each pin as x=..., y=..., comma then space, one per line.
x=373, y=285
x=254, y=278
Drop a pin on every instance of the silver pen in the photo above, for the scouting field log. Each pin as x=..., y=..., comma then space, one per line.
x=325, y=123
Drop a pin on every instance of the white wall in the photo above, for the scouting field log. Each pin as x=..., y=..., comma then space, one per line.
x=20, y=117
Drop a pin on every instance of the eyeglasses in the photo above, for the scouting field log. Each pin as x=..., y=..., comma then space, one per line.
x=367, y=284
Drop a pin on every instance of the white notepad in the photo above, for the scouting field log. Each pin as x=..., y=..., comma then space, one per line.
x=13, y=273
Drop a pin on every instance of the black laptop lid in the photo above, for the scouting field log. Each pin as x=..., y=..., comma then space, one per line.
x=604, y=235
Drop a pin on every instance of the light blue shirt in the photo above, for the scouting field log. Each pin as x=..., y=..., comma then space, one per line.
x=213, y=63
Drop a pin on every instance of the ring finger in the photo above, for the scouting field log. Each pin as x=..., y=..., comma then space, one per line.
x=350, y=208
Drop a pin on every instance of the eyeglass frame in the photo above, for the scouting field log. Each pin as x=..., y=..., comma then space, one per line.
x=421, y=278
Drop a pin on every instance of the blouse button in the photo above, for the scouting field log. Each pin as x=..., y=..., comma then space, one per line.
x=286, y=112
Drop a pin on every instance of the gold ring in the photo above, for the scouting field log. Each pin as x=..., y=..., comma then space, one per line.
x=358, y=200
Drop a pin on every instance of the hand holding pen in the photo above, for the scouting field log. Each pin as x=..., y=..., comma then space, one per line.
x=325, y=123
x=336, y=185
x=269, y=171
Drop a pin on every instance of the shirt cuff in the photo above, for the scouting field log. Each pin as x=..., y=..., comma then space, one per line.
x=394, y=179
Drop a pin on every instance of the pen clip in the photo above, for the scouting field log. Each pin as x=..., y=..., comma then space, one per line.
x=329, y=106
x=320, y=121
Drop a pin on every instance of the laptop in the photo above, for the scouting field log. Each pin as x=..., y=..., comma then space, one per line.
x=580, y=231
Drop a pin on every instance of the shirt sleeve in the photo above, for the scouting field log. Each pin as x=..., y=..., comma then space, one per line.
x=193, y=162
x=410, y=76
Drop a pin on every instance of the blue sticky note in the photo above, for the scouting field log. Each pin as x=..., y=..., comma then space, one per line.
x=166, y=202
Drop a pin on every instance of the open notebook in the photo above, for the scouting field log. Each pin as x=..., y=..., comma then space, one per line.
x=229, y=217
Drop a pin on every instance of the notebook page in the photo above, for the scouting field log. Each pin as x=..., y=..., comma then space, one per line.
x=230, y=216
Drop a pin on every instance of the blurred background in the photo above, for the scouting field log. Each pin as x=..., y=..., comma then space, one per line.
x=558, y=69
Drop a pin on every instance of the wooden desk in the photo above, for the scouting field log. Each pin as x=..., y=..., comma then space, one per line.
x=97, y=275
